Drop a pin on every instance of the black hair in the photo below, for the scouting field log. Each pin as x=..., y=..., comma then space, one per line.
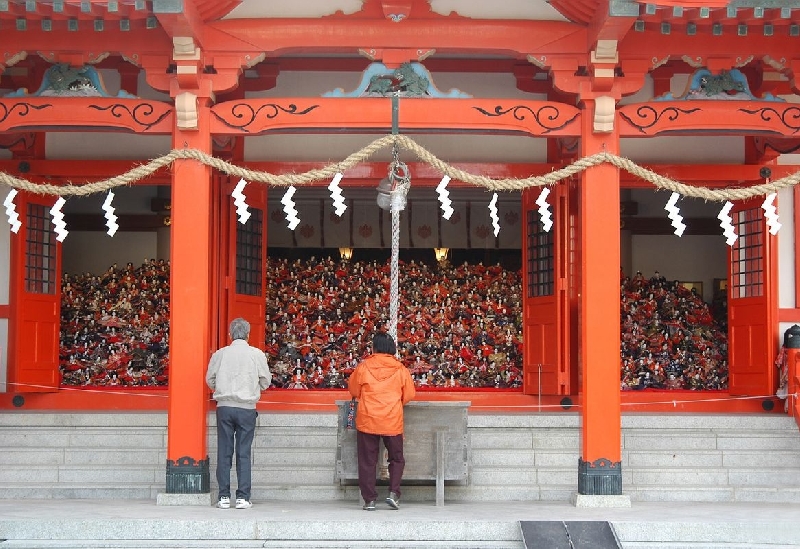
x=383, y=343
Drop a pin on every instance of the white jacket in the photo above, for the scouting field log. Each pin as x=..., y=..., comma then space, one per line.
x=237, y=374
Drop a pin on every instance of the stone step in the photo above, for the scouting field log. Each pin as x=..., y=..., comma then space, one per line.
x=435, y=534
x=706, y=534
x=241, y=528
x=259, y=544
x=703, y=545
x=513, y=457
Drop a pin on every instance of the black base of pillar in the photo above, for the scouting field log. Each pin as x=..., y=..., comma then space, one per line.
x=187, y=476
x=599, y=478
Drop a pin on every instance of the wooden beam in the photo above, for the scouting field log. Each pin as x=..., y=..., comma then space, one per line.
x=126, y=222
x=663, y=226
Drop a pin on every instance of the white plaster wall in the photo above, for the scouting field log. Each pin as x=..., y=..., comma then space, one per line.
x=108, y=146
x=94, y=252
x=786, y=246
x=786, y=236
x=686, y=258
x=684, y=150
x=787, y=297
x=453, y=148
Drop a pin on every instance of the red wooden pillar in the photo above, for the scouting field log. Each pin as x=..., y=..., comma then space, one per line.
x=599, y=468
x=190, y=314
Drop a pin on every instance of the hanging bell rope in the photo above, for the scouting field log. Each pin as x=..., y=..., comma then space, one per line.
x=392, y=193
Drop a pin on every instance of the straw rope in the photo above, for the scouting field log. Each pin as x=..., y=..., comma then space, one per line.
x=162, y=393
x=404, y=142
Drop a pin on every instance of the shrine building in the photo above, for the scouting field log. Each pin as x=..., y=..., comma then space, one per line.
x=576, y=142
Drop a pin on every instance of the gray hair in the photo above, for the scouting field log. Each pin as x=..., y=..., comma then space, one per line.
x=240, y=329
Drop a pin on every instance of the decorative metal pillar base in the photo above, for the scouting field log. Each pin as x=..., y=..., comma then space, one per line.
x=187, y=476
x=601, y=477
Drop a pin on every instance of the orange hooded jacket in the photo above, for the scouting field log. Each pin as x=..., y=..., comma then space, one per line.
x=382, y=385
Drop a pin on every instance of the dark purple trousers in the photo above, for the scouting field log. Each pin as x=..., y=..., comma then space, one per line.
x=368, y=449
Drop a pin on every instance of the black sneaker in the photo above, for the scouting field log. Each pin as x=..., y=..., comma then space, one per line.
x=369, y=506
x=393, y=500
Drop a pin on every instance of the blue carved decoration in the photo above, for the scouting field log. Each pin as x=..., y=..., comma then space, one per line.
x=725, y=86
x=62, y=80
x=408, y=80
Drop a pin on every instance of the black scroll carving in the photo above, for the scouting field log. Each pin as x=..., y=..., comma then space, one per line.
x=19, y=109
x=245, y=114
x=647, y=116
x=546, y=116
x=138, y=114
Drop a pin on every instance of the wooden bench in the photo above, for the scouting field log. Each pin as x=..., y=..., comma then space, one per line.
x=436, y=445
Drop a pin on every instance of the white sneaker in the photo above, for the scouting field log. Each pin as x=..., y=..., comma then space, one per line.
x=224, y=502
x=243, y=504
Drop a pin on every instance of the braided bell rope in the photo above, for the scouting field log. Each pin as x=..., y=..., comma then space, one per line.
x=394, y=270
x=404, y=142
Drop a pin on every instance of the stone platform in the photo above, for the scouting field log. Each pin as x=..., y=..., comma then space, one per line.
x=63, y=523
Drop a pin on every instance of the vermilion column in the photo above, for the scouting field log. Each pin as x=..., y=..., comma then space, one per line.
x=599, y=468
x=190, y=308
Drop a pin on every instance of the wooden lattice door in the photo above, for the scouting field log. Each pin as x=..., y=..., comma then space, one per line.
x=35, y=298
x=546, y=303
x=752, y=304
x=242, y=258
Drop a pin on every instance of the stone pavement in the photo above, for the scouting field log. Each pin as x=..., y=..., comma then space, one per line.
x=126, y=524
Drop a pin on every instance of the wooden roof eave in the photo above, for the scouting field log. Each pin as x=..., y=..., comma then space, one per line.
x=366, y=114
x=95, y=113
x=703, y=48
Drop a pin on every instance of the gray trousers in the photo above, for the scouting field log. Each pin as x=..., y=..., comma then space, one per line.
x=235, y=430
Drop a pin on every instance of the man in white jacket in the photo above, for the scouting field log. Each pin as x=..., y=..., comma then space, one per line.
x=237, y=374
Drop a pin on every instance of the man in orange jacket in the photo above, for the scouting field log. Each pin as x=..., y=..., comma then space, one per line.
x=382, y=385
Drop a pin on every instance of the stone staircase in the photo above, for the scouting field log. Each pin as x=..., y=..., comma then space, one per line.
x=514, y=457
x=729, y=458
x=522, y=466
